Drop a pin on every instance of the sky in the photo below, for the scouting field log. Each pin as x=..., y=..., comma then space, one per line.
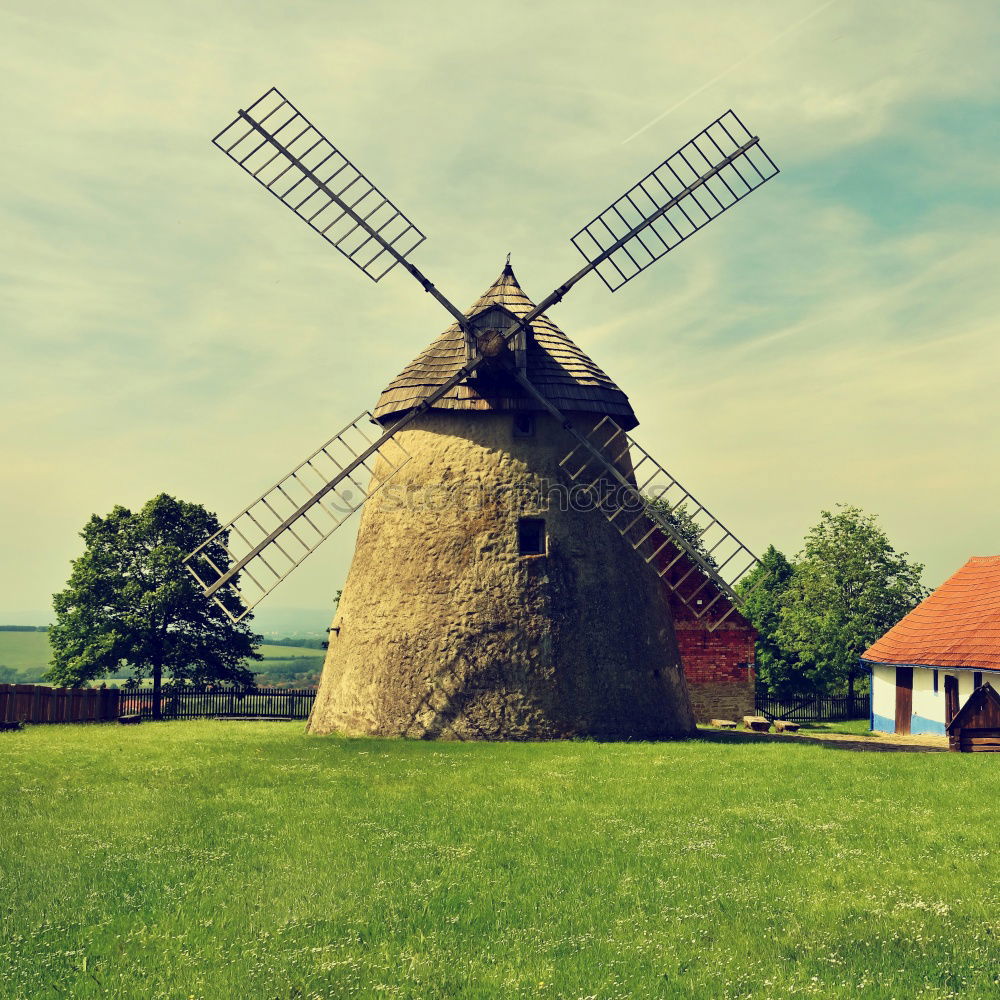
x=168, y=327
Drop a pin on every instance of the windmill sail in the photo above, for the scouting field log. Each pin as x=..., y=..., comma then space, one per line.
x=698, y=558
x=275, y=534
x=720, y=166
x=285, y=153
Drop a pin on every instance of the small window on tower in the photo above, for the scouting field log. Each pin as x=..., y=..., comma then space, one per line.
x=524, y=425
x=531, y=536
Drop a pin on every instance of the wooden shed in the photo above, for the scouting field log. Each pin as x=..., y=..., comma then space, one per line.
x=976, y=727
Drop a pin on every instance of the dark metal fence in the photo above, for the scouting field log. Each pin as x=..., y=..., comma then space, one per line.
x=817, y=709
x=195, y=703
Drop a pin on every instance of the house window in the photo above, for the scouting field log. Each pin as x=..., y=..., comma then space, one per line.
x=977, y=680
x=524, y=425
x=935, y=682
x=531, y=536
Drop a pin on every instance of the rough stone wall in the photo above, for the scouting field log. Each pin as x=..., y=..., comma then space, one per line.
x=445, y=631
x=719, y=682
x=721, y=700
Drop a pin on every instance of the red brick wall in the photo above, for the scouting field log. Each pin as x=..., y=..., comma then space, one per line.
x=720, y=688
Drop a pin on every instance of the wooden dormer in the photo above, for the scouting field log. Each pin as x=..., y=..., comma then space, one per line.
x=553, y=362
x=485, y=340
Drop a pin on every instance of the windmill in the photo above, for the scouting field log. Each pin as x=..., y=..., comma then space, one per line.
x=517, y=544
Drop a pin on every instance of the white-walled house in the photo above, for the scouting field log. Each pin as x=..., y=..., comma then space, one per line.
x=926, y=666
x=927, y=710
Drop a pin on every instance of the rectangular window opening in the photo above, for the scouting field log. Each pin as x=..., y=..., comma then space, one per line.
x=935, y=682
x=977, y=680
x=531, y=536
x=524, y=425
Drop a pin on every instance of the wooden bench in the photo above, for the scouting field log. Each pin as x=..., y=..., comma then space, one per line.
x=723, y=723
x=784, y=726
x=756, y=723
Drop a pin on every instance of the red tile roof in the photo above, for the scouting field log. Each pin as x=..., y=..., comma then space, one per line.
x=957, y=626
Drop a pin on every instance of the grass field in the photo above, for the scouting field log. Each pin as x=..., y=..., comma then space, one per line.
x=24, y=650
x=246, y=860
x=30, y=651
x=854, y=727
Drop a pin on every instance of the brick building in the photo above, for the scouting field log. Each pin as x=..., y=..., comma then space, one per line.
x=718, y=665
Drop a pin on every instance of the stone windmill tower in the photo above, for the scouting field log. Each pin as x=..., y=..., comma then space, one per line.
x=480, y=603
x=517, y=547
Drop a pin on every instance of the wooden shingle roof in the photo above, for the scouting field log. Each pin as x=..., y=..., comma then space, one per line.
x=957, y=626
x=555, y=364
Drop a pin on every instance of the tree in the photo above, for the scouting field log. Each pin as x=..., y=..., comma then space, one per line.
x=848, y=588
x=763, y=591
x=8, y=675
x=682, y=522
x=130, y=604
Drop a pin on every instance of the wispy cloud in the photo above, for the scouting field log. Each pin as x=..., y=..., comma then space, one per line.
x=169, y=327
x=719, y=77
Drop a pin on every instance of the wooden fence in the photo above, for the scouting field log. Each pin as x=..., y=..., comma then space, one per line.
x=818, y=709
x=38, y=703
x=194, y=703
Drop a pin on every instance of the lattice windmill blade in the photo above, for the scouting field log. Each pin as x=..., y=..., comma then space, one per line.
x=698, y=558
x=709, y=174
x=287, y=155
x=278, y=531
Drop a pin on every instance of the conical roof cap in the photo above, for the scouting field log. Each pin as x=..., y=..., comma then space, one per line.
x=555, y=365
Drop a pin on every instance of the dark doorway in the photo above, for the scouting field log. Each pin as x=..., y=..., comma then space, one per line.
x=904, y=700
x=950, y=698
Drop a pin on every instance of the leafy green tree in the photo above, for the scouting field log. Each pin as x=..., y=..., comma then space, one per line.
x=763, y=591
x=682, y=521
x=130, y=605
x=848, y=588
x=8, y=675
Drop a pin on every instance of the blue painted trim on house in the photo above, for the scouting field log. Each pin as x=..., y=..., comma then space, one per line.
x=880, y=724
x=919, y=726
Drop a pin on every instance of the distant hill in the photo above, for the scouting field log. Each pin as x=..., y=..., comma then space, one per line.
x=24, y=650
x=267, y=621
x=281, y=622
x=28, y=653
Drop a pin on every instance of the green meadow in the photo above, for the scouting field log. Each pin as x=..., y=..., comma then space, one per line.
x=24, y=650
x=247, y=860
x=29, y=651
